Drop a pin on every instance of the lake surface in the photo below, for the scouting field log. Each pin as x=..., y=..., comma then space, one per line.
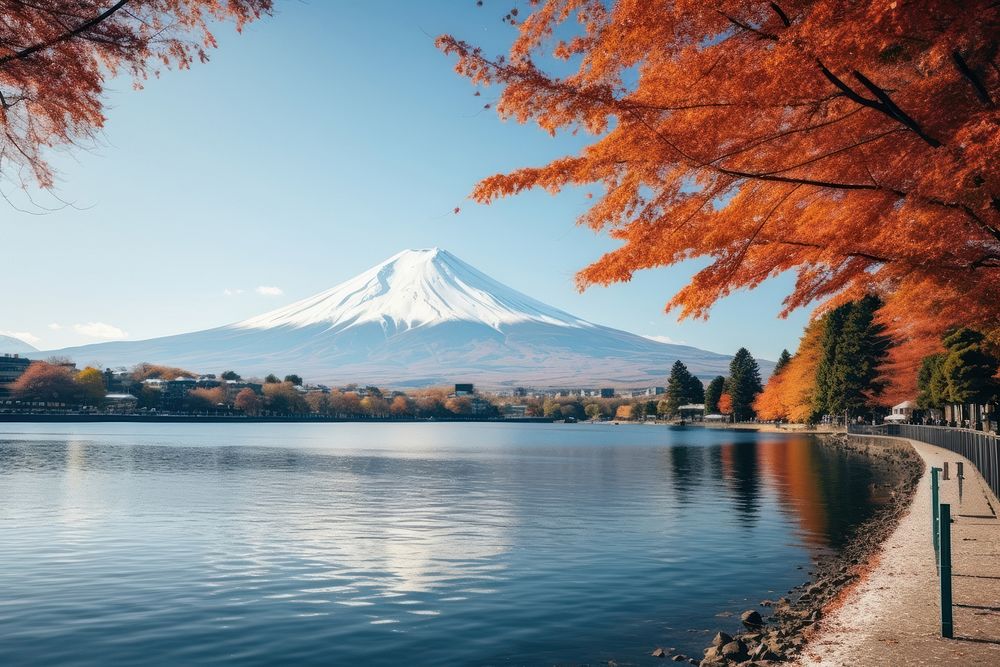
x=417, y=544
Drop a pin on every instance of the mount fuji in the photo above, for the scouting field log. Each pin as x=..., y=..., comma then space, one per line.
x=420, y=318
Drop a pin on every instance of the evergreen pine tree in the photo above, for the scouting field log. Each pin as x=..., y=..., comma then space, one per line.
x=931, y=383
x=854, y=347
x=696, y=391
x=712, y=394
x=863, y=349
x=678, y=386
x=743, y=384
x=783, y=360
x=828, y=392
x=969, y=370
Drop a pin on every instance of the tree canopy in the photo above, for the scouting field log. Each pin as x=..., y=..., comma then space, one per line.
x=55, y=57
x=855, y=144
x=968, y=369
x=743, y=384
x=713, y=392
x=43, y=381
x=854, y=348
x=783, y=360
x=90, y=382
x=682, y=388
x=839, y=366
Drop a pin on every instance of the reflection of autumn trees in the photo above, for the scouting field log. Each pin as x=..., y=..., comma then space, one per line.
x=823, y=490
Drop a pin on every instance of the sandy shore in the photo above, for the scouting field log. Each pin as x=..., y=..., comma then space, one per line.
x=891, y=615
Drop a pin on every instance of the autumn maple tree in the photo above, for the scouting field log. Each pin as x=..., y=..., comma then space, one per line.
x=855, y=144
x=55, y=56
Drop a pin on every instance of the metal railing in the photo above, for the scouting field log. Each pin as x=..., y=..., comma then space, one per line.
x=983, y=449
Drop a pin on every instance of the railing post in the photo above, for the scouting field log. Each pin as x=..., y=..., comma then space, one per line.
x=935, y=517
x=944, y=572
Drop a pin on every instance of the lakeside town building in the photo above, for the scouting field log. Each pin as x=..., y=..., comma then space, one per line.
x=12, y=366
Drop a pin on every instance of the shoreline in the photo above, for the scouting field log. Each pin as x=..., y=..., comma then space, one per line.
x=14, y=418
x=892, y=614
x=785, y=633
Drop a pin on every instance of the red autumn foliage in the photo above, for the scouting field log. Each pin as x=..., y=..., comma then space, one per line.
x=56, y=55
x=855, y=144
x=45, y=382
x=249, y=402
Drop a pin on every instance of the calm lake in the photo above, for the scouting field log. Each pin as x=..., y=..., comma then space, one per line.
x=417, y=544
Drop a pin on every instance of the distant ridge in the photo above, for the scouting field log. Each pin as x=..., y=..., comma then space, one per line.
x=11, y=345
x=422, y=317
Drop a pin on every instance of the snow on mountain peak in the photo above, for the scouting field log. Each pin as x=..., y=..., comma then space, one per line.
x=411, y=289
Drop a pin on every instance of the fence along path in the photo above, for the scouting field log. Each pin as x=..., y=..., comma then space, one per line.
x=893, y=616
x=983, y=449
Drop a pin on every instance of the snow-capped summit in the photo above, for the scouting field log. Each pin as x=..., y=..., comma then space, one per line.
x=421, y=317
x=411, y=289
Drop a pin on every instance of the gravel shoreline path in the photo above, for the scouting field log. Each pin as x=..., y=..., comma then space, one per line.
x=891, y=616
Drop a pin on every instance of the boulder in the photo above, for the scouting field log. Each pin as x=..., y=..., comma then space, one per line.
x=721, y=639
x=735, y=650
x=659, y=653
x=712, y=654
x=751, y=618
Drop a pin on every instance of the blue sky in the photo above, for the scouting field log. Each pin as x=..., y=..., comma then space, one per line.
x=314, y=145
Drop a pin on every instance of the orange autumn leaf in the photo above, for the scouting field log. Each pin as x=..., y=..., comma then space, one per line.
x=789, y=395
x=853, y=144
x=56, y=55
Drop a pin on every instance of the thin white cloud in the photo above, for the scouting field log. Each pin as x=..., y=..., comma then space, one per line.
x=659, y=338
x=26, y=336
x=100, y=330
x=55, y=326
x=231, y=292
x=269, y=291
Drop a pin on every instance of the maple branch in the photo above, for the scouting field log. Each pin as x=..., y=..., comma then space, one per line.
x=781, y=14
x=982, y=262
x=738, y=262
x=893, y=110
x=972, y=77
x=857, y=144
x=818, y=246
x=68, y=35
x=749, y=28
x=847, y=90
x=883, y=103
x=778, y=135
x=992, y=230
